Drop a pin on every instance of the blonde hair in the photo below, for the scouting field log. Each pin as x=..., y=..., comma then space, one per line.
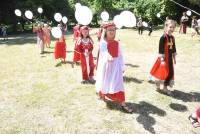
x=168, y=22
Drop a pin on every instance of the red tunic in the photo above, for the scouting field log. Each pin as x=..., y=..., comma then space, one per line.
x=82, y=49
x=113, y=48
x=60, y=49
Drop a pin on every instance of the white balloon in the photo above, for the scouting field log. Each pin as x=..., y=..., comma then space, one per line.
x=128, y=19
x=56, y=32
x=58, y=17
x=198, y=21
x=40, y=10
x=29, y=14
x=83, y=15
x=77, y=5
x=158, y=15
x=189, y=13
x=64, y=19
x=145, y=24
x=118, y=21
x=18, y=12
x=104, y=16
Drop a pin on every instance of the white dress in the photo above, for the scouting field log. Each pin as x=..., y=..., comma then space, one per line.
x=109, y=78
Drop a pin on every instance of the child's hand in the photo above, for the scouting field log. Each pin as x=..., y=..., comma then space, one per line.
x=162, y=63
x=110, y=58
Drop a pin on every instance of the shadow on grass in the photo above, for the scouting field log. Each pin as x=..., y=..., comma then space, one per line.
x=69, y=51
x=132, y=79
x=145, y=110
x=186, y=97
x=65, y=62
x=178, y=107
x=48, y=52
x=131, y=65
x=20, y=39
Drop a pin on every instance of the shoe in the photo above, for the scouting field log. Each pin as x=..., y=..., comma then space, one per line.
x=194, y=121
x=126, y=109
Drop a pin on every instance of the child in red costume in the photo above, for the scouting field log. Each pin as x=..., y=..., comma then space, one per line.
x=84, y=48
x=60, y=49
x=163, y=69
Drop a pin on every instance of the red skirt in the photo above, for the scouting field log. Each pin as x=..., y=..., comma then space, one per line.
x=60, y=50
x=118, y=97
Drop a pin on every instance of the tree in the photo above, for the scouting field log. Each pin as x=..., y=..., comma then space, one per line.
x=195, y=2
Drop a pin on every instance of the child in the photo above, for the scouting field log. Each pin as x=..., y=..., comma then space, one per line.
x=40, y=37
x=194, y=26
x=109, y=79
x=84, y=48
x=60, y=49
x=163, y=69
x=76, y=30
x=194, y=118
x=140, y=26
x=47, y=37
x=150, y=27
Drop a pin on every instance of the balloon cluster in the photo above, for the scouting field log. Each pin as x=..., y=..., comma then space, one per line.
x=28, y=14
x=83, y=14
x=126, y=18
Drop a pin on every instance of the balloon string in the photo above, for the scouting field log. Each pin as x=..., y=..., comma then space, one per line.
x=161, y=19
x=185, y=7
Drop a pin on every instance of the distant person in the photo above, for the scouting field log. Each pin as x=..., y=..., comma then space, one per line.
x=194, y=117
x=140, y=26
x=4, y=32
x=183, y=25
x=60, y=49
x=163, y=69
x=40, y=36
x=47, y=36
x=150, y=27
x=1, y=29
x=195, y=27
x=76, y=30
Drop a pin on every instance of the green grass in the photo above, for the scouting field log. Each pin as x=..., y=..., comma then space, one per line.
x=38, y=98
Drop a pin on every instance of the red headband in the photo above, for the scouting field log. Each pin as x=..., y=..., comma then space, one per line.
x=110, y=24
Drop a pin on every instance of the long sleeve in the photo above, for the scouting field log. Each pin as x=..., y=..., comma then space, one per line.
x=174, y=46
x=162, y=46
x=103, y=50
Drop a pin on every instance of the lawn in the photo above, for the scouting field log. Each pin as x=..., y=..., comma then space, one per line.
x=38, y=98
